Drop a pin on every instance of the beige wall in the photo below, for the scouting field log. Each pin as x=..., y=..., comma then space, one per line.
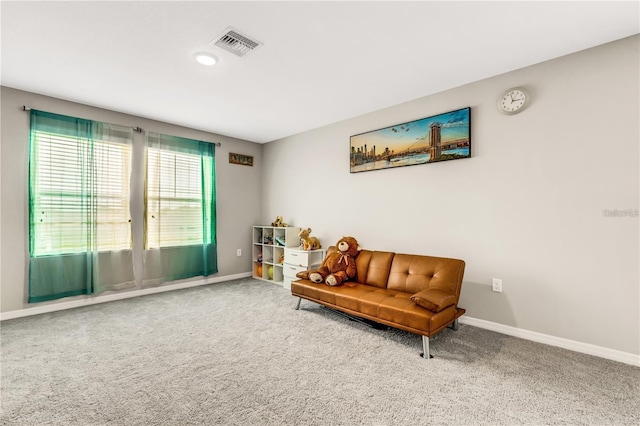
x=526, y=208
x=238, y=189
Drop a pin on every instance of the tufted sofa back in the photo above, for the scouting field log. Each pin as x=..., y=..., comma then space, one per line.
x=372, y=267
x=408, y=273
x=413, y=273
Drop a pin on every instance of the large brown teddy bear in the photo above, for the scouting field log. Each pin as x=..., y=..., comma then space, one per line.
x=337, y=267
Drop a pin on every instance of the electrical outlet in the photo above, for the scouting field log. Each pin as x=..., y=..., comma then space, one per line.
x=496, y=285
x=239, y=252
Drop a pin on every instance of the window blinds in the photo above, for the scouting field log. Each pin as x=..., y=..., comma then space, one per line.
x=174, y=198
x=79, y=193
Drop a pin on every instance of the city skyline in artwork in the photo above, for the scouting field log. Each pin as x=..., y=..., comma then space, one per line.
x=432, y=139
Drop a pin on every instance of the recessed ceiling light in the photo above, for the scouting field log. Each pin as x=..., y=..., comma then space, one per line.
x=206, y=58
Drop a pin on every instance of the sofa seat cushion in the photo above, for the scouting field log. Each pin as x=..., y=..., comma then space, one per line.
x=389, y=307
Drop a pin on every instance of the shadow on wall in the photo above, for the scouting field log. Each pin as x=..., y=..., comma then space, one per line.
x=482, y=303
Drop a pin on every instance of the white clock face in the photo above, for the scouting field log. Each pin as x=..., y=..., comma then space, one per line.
x=512, y=101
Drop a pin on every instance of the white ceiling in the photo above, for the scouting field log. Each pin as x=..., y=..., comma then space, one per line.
x=320, y=62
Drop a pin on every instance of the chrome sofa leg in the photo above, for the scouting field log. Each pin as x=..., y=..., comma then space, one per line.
x=454, y=325
x=425, y=348
x=298, y=304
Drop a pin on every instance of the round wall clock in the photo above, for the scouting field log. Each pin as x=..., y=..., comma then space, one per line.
x=512, y=101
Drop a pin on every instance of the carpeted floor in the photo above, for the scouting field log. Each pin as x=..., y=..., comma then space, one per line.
x=238, y=353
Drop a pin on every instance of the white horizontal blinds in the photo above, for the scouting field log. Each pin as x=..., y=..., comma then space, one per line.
x=59, y=202
x=113, y=176
x=79, y=189
x=174, y=213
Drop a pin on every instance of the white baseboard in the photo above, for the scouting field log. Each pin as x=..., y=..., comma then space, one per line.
x=585, y=348
x=94, y=300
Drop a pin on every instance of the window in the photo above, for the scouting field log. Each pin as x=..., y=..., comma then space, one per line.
x=79, y=220
x=80, y=193
x=80, y=225
x=174, y=199
x=180, y=221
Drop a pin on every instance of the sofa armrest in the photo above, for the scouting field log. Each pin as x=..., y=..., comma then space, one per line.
x=433, y=299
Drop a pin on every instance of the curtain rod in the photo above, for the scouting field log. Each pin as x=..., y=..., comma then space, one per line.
x=135, y=129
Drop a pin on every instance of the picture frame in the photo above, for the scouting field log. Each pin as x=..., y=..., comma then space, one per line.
x=437, y=138
x=244, y=160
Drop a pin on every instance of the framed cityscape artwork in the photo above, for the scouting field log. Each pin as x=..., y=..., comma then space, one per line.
x=433, y=139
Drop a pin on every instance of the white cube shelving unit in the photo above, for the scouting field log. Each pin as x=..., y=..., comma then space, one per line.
x=268, y=247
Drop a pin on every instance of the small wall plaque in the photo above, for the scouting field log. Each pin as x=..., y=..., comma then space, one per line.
x=245, y=160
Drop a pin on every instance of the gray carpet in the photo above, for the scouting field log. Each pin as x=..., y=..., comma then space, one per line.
x=238, y=353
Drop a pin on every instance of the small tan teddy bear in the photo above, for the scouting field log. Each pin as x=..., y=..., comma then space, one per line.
x=308, y=243
x=279, y=222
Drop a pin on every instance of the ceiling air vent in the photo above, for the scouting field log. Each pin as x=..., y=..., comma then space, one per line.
x=233, y=41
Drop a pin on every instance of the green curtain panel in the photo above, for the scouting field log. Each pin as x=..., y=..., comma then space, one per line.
x=180, y=209
x=79, y=216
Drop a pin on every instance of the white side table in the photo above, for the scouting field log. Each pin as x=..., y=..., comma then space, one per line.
x=297, y=260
